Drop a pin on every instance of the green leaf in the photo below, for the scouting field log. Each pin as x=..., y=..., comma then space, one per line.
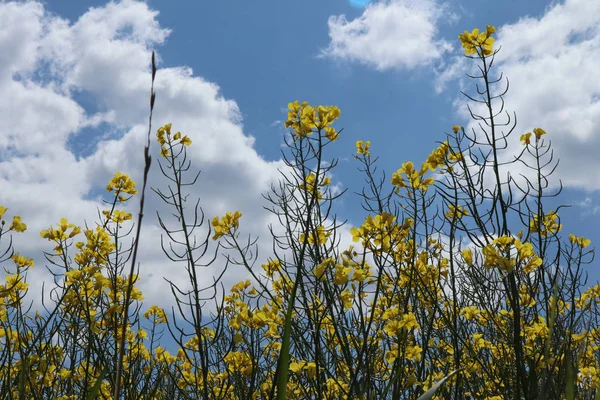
x=22, y=378
x=93, y=394
x=570, y=390
x=429, y=394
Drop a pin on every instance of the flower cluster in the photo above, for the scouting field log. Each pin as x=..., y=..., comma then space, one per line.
x=363, y=148
x=158, y=313
x=60, y=234
x=442, y=156
x=415, y=178
x=224, y=225
x=498, y=254
x=309, y=185
x=581, y=241
x=380, y=233
x=16, y=224
x=317, y=237
x=121, y=184
x=166, y=130
x=117, y=216
x=456, y=212
x=526, y=137
x=471, y=41
x=303, y=118
x=549, y=223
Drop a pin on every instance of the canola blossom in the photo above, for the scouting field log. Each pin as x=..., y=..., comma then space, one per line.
x=446, y=300
x=474, y=41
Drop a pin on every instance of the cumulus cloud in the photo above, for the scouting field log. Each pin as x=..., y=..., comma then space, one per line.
x=551, y=62
x=388, y=35
x=104, y=56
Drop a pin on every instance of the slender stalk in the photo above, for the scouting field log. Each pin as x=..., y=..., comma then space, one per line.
x=148, y=160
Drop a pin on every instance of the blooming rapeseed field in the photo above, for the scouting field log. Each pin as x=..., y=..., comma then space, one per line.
x=408, y=314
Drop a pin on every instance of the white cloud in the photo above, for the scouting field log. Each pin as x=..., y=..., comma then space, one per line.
x=105, y=56
x=588, y=207
x=447, y=73
x=551, y=62
x=20, y=21
x=388, y=35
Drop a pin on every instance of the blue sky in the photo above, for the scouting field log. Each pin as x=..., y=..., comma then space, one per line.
x=78, y=86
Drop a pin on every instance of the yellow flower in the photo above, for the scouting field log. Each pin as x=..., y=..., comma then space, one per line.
x=347, y=297
x=341, y=274
x=357, y=234
x=455, y=157
x=456, y=128
x=456, y=212
x=157, y=312
x=392, y=327
x=311, y=369
x=549, y=224
x=413, y=353
x=415, y=177
x=327, y=114
x=223, y=226
x=17, y=225
x=64, y=373
x=581, y=241
x=121, y=183
x=186, y=141
x=271, y=267
x=470, y=312
x=160, y=134
x=309, y=185
x=480, y=342
x=295, y=367
x=319, y=270
x=331, y=133
x=526, y=138
x=526, y=299
x=238, y=361
x=363, y=148
x=360, y=274
x=303, y=118
x=471, y=41
x=241, y=286
x=409, y=321
x=22, y=261
x=166, y=128
x=486, y=44
x=438, y=156
x=318, y=237
x=538, y=329
x=539, y=132
x=468, y=256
